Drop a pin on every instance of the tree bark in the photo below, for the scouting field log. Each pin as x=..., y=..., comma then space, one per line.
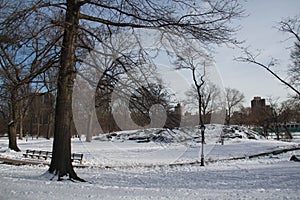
x=21, y=126
x=61, y=164
x=199, y=106
x=13, y=124
x=228, y=117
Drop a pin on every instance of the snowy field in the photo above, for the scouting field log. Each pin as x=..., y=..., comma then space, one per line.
x=141, y=170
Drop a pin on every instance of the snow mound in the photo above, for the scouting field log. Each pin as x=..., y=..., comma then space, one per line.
x=213, y=134
x=230, y=132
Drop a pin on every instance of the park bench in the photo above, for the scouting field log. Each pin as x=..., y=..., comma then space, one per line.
x=39, y=154
x=77, y=157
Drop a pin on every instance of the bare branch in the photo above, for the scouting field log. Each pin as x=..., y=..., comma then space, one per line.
x=249, y=57
x=292, y=26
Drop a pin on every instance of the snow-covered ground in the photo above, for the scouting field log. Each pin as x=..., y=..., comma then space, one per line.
x=140, y=170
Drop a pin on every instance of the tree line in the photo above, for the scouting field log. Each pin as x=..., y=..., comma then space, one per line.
x=45, y=45
x=45, y=42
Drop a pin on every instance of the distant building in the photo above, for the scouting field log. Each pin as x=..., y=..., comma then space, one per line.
x=260, y=112
x=257, y=103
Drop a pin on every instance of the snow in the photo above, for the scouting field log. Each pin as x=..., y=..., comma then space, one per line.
x=142, y=171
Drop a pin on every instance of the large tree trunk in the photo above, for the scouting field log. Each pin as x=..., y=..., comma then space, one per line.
x=199, y=110
x=13, y=124
x=21, y=126
x=61, y=164
x=228, y=118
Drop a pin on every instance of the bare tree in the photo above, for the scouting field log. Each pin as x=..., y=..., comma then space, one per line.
x=294, y=69
x=49, y=79
x=234, y=98
x=16, y=72
x=292, y=27
x=207, y=22
x=276, y=116
x=142, y=101
x=26, y=51
x=196, y=61
x=249, y=57
x=293, y=106
x=210, y=98
x=242, y=116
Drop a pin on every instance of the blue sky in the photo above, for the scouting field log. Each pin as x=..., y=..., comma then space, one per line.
x=259, y=32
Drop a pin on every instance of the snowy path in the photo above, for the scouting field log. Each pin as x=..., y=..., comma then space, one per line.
x=268, y=177
x=248, y=179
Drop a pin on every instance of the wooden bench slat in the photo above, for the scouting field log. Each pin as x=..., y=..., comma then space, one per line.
x=47, y=154
x=38, y=153
x=77, y=156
